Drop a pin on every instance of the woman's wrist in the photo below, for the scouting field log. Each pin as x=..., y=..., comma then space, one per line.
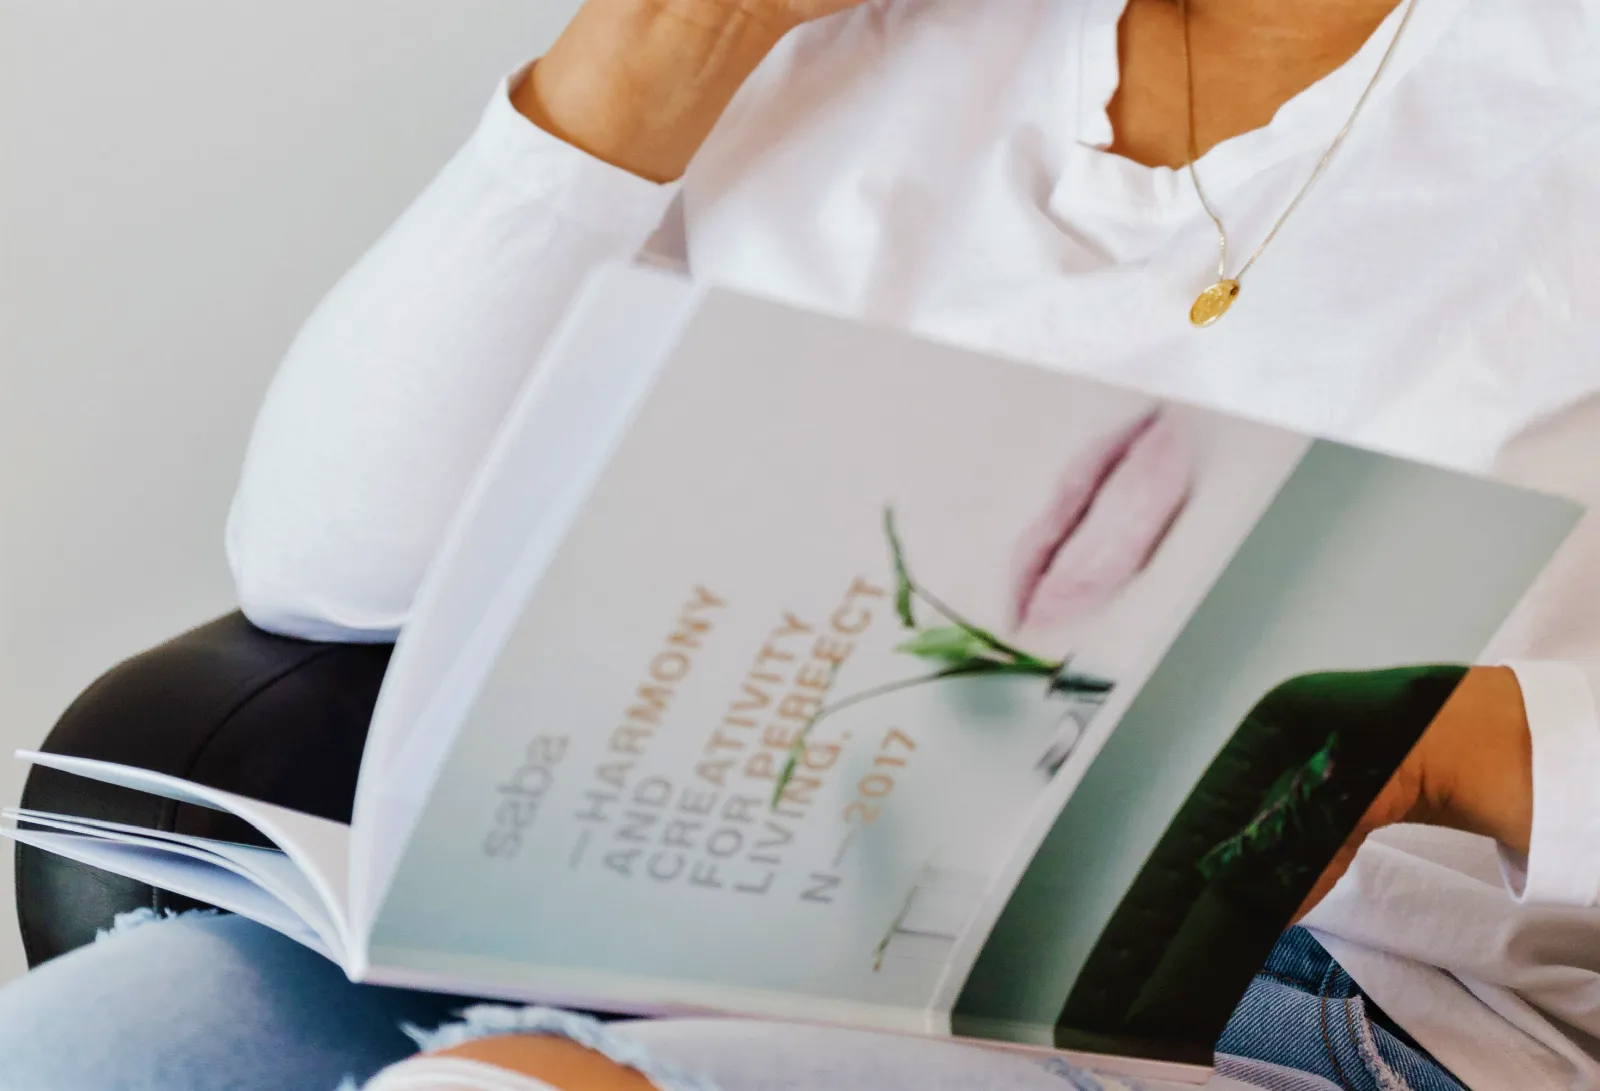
x=641, y=83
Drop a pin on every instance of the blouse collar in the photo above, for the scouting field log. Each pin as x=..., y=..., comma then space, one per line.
x=1095, y=179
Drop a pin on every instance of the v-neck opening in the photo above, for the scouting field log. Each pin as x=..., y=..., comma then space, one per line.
x=1095, y=178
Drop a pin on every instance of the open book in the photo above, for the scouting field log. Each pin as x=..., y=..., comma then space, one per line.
x=783, y=666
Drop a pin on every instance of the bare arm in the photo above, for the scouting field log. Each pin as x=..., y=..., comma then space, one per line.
x=1472, y=770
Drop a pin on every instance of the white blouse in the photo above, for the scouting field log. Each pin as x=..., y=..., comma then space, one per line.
x=940, y=165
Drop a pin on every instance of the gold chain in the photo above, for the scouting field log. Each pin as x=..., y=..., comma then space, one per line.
x=1214, y=302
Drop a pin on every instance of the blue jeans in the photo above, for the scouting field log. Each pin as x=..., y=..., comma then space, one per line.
x=1304, y=1013
x=200, y=1003
x=217, y=1003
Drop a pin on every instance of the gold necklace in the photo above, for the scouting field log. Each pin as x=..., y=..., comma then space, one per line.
x=1214, y=302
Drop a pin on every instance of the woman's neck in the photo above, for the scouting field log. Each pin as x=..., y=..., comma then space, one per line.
x=1249, y=57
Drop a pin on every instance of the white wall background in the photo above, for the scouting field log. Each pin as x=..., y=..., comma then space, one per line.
x=180, y=180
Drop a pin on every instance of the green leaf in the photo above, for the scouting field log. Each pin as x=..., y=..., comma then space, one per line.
x=904, y=589
x=1011, y=651
x=789, y=768
x=1027, y=668
x=1280, y=810
x=958, y=646
x=949, y=644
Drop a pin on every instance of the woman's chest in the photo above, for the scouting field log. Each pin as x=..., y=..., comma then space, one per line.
x=1426, y=300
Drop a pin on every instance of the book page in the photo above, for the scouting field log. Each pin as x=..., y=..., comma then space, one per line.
x=269, y=869
x=192, y=876
x=733, y=572
x=839, y=643
x=317, y=847
x=1305, y=677
x=556, y=439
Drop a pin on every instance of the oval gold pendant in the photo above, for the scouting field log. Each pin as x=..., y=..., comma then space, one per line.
x=1214, y=302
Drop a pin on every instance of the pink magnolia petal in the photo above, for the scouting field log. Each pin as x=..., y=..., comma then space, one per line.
x=1126, y=522
x=1075, y=491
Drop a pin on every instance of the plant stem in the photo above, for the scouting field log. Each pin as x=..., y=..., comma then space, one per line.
x=799, y=745
x=981, y=633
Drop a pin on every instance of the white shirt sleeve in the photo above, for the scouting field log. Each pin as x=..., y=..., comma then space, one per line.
x=1563, y=862
x=1552, y=643
x=390, y=395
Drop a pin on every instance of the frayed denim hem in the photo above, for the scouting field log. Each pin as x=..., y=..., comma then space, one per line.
x=124, y=923
x=490, y=1020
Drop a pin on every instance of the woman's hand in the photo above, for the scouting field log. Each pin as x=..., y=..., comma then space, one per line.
x=640, y=83
x=1472, y=771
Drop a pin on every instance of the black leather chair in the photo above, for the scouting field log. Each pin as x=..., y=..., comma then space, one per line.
x=224, y=704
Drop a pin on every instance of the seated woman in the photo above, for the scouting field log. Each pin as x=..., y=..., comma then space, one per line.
x=1385, y=214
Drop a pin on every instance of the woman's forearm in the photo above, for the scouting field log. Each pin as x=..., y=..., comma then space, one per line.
x=641, y=83
x=1472, y=770
x=1480, y=758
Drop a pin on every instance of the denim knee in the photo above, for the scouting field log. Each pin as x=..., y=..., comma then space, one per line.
x=200, y=1003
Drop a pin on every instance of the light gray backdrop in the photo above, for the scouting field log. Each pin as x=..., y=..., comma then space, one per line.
x=180, y=180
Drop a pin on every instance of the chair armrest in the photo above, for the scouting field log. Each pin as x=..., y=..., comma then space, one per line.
x=226, y=705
